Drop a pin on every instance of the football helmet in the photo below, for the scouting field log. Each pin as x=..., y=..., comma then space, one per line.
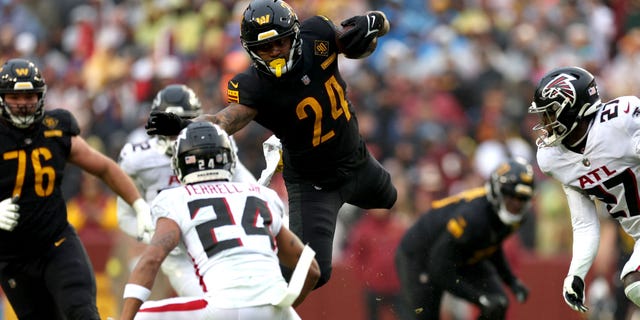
x=265, y=21
x=564, y=97
x=513, y=178
x=18, y=76
x=203, y=152
x=180, y=100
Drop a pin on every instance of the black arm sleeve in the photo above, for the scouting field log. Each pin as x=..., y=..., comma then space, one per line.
x=502, y=267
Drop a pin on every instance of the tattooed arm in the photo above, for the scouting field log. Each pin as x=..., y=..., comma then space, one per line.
x=231, y=118
x=289, y=250
x=166, y=237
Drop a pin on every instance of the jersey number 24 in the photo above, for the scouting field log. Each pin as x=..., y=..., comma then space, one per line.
x=254, y=208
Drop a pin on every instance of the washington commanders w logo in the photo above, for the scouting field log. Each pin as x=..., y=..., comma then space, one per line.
x=561, y=86
x=22, y=72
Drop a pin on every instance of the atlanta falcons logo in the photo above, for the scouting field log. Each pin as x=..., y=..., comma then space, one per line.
x=562, y=87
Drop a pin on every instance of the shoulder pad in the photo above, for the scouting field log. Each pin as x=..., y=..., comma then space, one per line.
x=61, y=119
x=138, y=156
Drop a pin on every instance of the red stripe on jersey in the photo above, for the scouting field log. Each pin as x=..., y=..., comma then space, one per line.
x=180, y=306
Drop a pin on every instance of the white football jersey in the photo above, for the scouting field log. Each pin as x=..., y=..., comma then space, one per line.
x=150, y=168
x=229, y=231
x=608, y=170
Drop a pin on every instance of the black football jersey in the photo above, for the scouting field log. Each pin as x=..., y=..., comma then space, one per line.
x=307, y=108
x=32, y=167
x=464, y=226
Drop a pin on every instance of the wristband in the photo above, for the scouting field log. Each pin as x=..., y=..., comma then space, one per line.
x=136, y=291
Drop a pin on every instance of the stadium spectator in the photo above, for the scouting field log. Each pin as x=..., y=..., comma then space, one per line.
x=92, y=212
x=371, y=246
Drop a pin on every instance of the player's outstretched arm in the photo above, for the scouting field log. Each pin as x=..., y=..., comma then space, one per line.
x=166, y=238
x=231, y=118
x=96, y=163
x=103, y=167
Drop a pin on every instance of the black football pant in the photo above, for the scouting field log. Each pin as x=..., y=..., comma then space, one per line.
x=59, y=284
x=424, y=296
x=313, y=210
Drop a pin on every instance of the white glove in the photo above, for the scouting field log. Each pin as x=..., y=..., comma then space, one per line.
x=272, y=149
x=573, y=293
x=9, y=213
x=143, y=217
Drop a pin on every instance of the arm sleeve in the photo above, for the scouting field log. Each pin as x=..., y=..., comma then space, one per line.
x=502, y=267
x=586, y=232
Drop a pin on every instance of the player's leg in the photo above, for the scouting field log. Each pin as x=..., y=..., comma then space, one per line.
x=631, y=283
x=268, y=312
x=421, y=296
x=485, y=279
x=371, y=187
x=631, y=277
x=178, y=308
x=312, y=217
x=69, y=277
x=28, y=296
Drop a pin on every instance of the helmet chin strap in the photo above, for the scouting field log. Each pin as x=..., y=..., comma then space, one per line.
x=584, y=136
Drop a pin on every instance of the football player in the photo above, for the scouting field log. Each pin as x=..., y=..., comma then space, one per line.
x=44, y=269
x=592, y=148
x=148, y=163
x=234, y=233
x=457, y=246
x=294, y=88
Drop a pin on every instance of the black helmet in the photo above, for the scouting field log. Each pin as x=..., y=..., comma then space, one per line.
x=22, y=76
x=564, y=97
x=265, y=21
x=203, y=152
x=178, y=99
x=513, y=178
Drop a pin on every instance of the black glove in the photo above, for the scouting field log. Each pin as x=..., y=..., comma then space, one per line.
x=165, y=124
x=361, y=33
x=573, y=292
x=493, y=306
x=520, y=291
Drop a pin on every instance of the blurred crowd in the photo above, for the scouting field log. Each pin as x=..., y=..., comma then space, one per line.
x=441, y=101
